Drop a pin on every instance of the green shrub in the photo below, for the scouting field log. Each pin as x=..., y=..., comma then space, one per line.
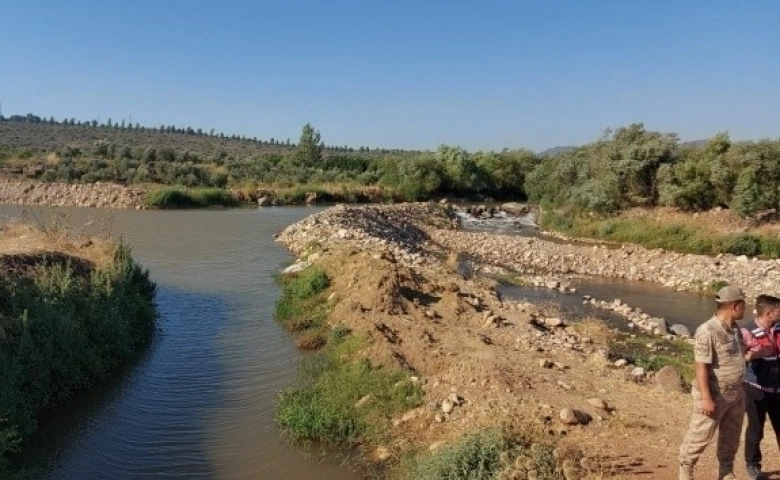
x=170, y=197
x=63, y=331
x=323, y=407
x=176, y=197
x=487, y=455
x=474, y=457
x=742, y=244
x=214, y=197
x=770, y=247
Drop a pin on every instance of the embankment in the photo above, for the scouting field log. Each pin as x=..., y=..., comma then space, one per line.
x=570, y=390
x=101, y=195
x=72, y=312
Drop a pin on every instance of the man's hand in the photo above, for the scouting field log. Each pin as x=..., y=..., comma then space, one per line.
x=762, y=352
x=707, y=406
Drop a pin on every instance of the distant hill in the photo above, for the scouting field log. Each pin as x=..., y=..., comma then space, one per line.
x=697, y=143
x=44, y=135
x=551, y=152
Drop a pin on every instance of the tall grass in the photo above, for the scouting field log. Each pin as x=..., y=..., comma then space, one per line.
x=61, y=331
x=176, y=197
x=323, y=407
x=678, y=237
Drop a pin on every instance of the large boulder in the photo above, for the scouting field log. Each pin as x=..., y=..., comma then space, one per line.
x=516, y=209
x=669, y=379
x=658, y=325
x=680, y=330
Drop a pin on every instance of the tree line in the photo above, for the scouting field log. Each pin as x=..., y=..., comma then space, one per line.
x=624, y=168
x=631, y=167
x=128, y=126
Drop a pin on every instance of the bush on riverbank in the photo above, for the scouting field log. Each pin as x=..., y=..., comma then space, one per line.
x=64, y=328
x=176, y=197
x=342, y=400
x=676, y=236
x=490, y=454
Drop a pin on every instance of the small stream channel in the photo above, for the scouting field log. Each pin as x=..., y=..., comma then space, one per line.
x=687, y=308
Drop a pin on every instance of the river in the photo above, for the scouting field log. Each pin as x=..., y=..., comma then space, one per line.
x=200, y=402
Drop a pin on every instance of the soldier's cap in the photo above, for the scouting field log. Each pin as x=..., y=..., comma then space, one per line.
x=729, y=294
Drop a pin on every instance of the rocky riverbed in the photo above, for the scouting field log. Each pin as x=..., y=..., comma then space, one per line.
x=415, y=231
x=408, y=278
x=100, y=195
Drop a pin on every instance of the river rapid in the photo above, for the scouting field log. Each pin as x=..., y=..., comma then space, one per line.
x=200, y=402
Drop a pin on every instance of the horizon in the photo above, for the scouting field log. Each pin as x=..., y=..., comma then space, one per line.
x=401, y=76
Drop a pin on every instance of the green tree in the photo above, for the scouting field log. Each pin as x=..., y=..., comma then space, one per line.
x=309, y=151
x=766, y=158
x=507, y=170
x=747, y=196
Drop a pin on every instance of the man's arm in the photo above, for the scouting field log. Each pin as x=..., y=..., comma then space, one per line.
x=707, y=404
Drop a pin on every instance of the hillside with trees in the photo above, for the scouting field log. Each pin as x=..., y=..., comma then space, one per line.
x=625, y=168
x=86, y=152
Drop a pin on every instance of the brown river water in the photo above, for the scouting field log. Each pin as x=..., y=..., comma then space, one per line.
x=200, y=402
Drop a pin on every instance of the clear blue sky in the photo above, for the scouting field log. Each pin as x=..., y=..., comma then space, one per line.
x=400, y=74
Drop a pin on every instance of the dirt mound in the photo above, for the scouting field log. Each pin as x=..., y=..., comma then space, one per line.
x=482, y=361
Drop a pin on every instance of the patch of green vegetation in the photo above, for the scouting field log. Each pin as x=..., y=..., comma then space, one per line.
x=742, y=244
x=300, y=307
x=176, y=197
x=653, y=234
x=676, y=353
x=716, y=285
x=475, y=456
x=324, y=406
x=485, y=455
x=61, y=331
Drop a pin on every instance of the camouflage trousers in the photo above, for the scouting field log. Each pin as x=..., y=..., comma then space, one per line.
x=727, y=420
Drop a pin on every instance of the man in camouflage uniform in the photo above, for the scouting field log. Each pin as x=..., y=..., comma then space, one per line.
x=718, y=396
